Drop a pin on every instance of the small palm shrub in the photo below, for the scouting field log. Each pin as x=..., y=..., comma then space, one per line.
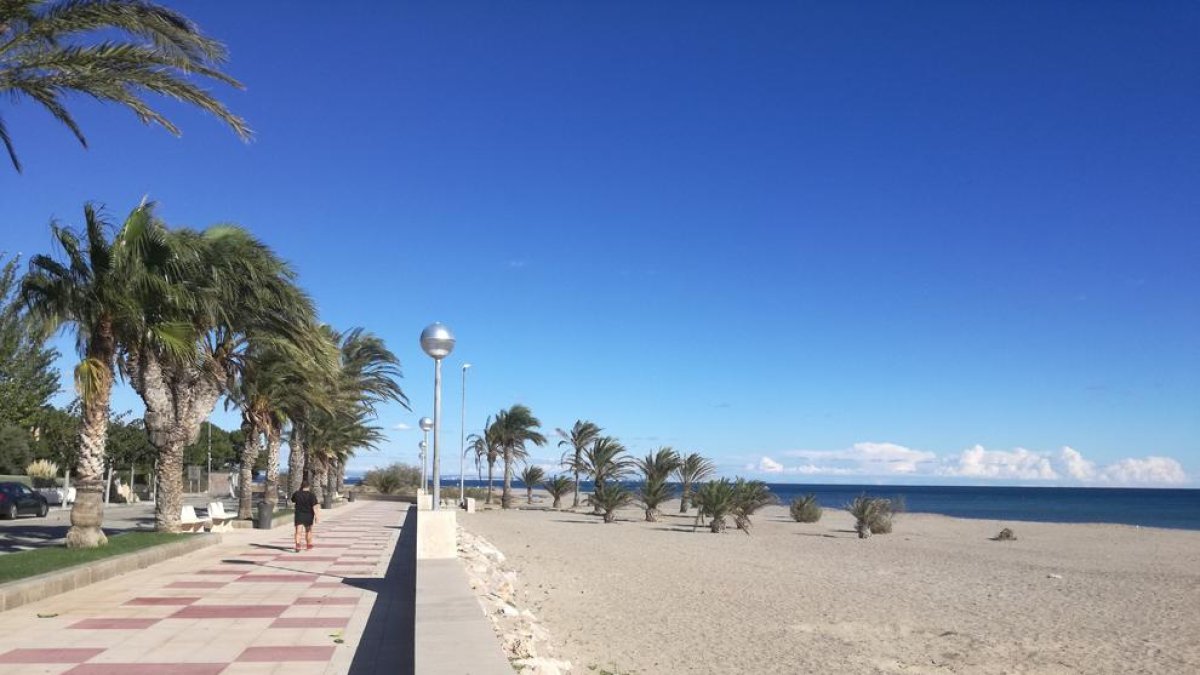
x=872, y=515
x=391, y=479
x=530, y=477
x=654, y=492
x=1006, y=535
x=42, y=471
x=715, y=499
x=610, y=498
x=557, y=487
x=806, y=509
x=749, y=497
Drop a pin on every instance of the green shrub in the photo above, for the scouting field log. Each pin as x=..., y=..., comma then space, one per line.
x=392, y=478
x=873, y=515
x=806, y=509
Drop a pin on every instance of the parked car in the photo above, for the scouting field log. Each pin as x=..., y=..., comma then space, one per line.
x=16, y=499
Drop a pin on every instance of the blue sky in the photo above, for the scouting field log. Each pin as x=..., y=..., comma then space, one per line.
x=944, y=242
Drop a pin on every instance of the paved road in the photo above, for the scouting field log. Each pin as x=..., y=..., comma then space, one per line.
x=249, y=605
x=28, y=532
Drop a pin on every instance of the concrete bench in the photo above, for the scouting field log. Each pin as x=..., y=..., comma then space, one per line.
x=222, y=520
x=190, y=522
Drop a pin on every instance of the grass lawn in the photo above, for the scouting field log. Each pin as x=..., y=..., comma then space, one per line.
x=24, y=564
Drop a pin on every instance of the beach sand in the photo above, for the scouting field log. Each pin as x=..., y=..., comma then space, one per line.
x=936, y=596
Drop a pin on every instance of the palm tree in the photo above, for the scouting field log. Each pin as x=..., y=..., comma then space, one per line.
x=692, y=470
x=236, y=295
x=557, y=487
x=749, y=496
x=715, y=499
x=114, y=51
x=531, y=476
x=656, y=470
x=605, y=460
x=514, y=428
x=100, y=292
x=611, y=497
x=485, y=448
x=577, y=439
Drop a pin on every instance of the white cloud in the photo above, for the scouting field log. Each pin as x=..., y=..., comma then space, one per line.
x=1067, y=466
x=1075, y=465
x=868, y=458
x=402, y=427
x=1145, y=471
x=1019, y=464
x=768, y=465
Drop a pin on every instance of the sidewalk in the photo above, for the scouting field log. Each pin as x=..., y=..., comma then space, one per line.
x=249, y=605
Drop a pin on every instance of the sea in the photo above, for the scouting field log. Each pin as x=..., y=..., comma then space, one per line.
x=1168, y=508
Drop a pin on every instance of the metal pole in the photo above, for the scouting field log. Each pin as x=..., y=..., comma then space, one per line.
x=462, y=443
x=424, y=476
x=437, y=432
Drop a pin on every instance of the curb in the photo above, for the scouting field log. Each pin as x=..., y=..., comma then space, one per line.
x=24, y=591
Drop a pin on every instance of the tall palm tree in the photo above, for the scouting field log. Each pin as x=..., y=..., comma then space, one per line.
x=239, y=294
x=692, y=469
x=605, y=460
x=100, y=292
x=113, y=51
x=656, y=470
x=577, y=439
x=485, y=449
x=514, y=428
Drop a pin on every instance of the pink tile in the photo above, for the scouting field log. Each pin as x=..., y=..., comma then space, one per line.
x=326, y=601
x=154, y=602
x=313, y=558
x=328, y=584
x=279, y=578
x=278, y=654
x=228, y=570
x=148, y=668
x=259, y=554
x=48, y=655
x=196, y=584
x=114, y=624
x=312, y=622
x=229, y=612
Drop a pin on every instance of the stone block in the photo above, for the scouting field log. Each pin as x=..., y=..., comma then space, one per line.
x=437, y=536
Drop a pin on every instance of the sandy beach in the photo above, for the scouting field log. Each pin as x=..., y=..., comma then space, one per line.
x=936, y=596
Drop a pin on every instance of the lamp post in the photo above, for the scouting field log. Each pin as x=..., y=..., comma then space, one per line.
x=426, y=425
x=438, y=342
x=462, y=444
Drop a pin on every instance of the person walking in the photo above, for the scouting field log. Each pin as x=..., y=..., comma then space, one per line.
x=308, y=513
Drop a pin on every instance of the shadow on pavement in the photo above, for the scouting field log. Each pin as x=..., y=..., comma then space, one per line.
x=386, y=645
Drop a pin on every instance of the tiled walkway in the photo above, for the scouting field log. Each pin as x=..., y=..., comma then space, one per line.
x=250, y=605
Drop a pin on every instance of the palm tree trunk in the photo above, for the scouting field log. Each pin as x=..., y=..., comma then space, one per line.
x=271, y=485
x=331, y=478
x=597, y=487
x=169, y=505
x=87, y=514
x=683, y=499
x=320, y=471
x=529, y=494
x=178, y=398
x=651, y=515
x=491, y=471
x=341, y=477
x=296, y=460
x=249, y=453
x=558, y=502
x=575, y=504
x=506, y=494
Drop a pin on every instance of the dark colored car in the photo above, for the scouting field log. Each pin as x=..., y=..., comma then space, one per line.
x=16, y=499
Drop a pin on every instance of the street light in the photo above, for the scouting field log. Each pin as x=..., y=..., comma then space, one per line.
x=426, y=425
x=462, y=443
x=438, y=342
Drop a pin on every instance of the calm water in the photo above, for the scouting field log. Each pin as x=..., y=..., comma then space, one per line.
x=1179, y=509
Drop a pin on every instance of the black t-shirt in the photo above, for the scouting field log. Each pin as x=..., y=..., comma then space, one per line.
x=304, y=501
